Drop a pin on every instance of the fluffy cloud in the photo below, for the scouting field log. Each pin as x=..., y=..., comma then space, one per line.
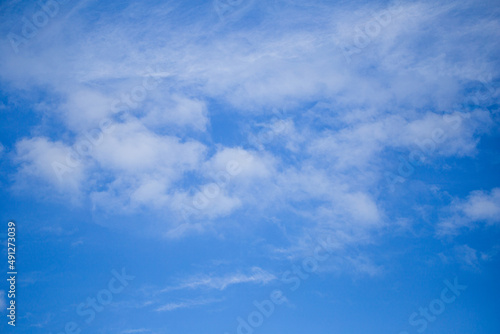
x=241, y=164
x=85, y=109
x=479, y=207
x=483, y=206
x=53, y=162
x=325, y=155
x=179, y=111
x=366, y=135
x=132, y=148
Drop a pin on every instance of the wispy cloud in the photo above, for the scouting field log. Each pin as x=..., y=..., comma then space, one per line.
x=255, y=276
x=479, y=207
x=186, y=304
x=164, y=140
x=137, y=113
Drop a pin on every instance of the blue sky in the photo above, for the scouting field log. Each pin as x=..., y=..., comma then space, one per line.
x=247, y=167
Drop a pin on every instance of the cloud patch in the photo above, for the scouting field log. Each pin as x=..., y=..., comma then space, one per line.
x=480, y=207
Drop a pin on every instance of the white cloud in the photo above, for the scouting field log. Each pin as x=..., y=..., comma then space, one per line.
x=361, y=207
x=483, y=206
x=479, y=207
x=452, y=134
x=252, y=68
x=53, y=162
x=367, y=134
x=145, y=165
x=183, y=229
x=467, y=256
x=340, y=198
x=392, y=96
x=132, y=148
x=179, y=111
x=186, y=304
x=85, y=109
x=256, y=276
x=241, y=164
x=210, y=201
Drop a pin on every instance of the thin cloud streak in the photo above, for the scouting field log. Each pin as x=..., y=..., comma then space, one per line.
x=256, y=276
x=186, y=304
